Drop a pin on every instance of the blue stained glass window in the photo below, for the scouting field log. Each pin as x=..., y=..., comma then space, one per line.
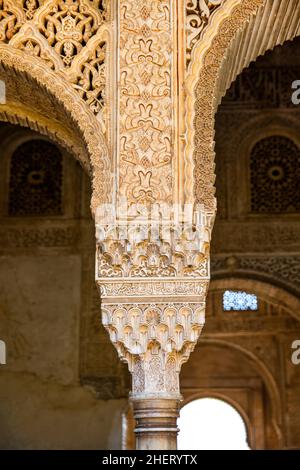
x=239, y=301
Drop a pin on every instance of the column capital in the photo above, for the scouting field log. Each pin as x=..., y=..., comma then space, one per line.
x=153, y=277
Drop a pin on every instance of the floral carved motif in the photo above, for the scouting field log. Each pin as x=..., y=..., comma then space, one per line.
x=68, y=25
x=68, y=36
x=145, y=100
x=198, y=13
x=91, y=82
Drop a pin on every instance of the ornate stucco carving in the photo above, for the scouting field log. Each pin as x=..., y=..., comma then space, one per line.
x=202, y=78
x=62, y=47
x=198, y=13
x=26, y=117
x=216, y=60
x=155, y=341
x=146, y=249
x=153, y=281
x=72, y=112
x=145, y=101
x=69, y=36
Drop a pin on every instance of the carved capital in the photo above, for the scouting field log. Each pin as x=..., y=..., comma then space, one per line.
x=155, y=245
x=153, y=276
x=155, y=340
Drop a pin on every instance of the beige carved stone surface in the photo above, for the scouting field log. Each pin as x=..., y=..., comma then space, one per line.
x=166, y=280
x=145, y=101
x=131, y=89
x=203, y=118
x=178, y=250
x=155, y=341
x=198, y=13
x=61, y=45
x=67, y=36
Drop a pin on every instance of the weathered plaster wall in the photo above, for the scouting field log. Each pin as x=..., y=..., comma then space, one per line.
x=61, y=386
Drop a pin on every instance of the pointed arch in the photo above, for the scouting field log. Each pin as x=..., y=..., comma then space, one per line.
x=238, y=33
x=42, y=100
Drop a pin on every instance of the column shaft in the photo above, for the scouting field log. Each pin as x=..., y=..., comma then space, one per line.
x=156, y=423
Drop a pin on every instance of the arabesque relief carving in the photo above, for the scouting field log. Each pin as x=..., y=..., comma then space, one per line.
x=163, y=267
x=198, y=13
x=202, y=80
x=146, y=117
x=69, y=36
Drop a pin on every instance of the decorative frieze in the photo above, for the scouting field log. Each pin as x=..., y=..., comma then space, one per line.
x=144, y=289
x=236, y=237
x=30, y=237
x=249, y=324
x=274, y=176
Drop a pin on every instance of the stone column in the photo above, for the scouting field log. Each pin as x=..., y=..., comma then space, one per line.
x=152, y=263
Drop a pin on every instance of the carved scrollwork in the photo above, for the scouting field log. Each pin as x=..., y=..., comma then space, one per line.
x=61, y=33
x=68, y=25
x=198, y=13
x=91, y=80
x=145, y=101
x=11, y=19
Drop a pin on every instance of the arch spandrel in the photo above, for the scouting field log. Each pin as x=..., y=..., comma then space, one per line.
x=58, y=103
x=70, y=73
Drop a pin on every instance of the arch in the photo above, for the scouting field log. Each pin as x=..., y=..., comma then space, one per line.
x=28, y=118
x=237, y=33
x=71, y=120
x=229, y=401
x=263, y=372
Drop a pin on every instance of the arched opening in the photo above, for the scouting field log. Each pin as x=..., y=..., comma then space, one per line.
x=40, y=99
x=211, y=424
x=60, y=366
x=255, y=252
x=238, y=32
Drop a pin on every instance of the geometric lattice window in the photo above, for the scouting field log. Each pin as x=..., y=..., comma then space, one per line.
x=275, y=175
x=239, y=301
x=35, y=186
